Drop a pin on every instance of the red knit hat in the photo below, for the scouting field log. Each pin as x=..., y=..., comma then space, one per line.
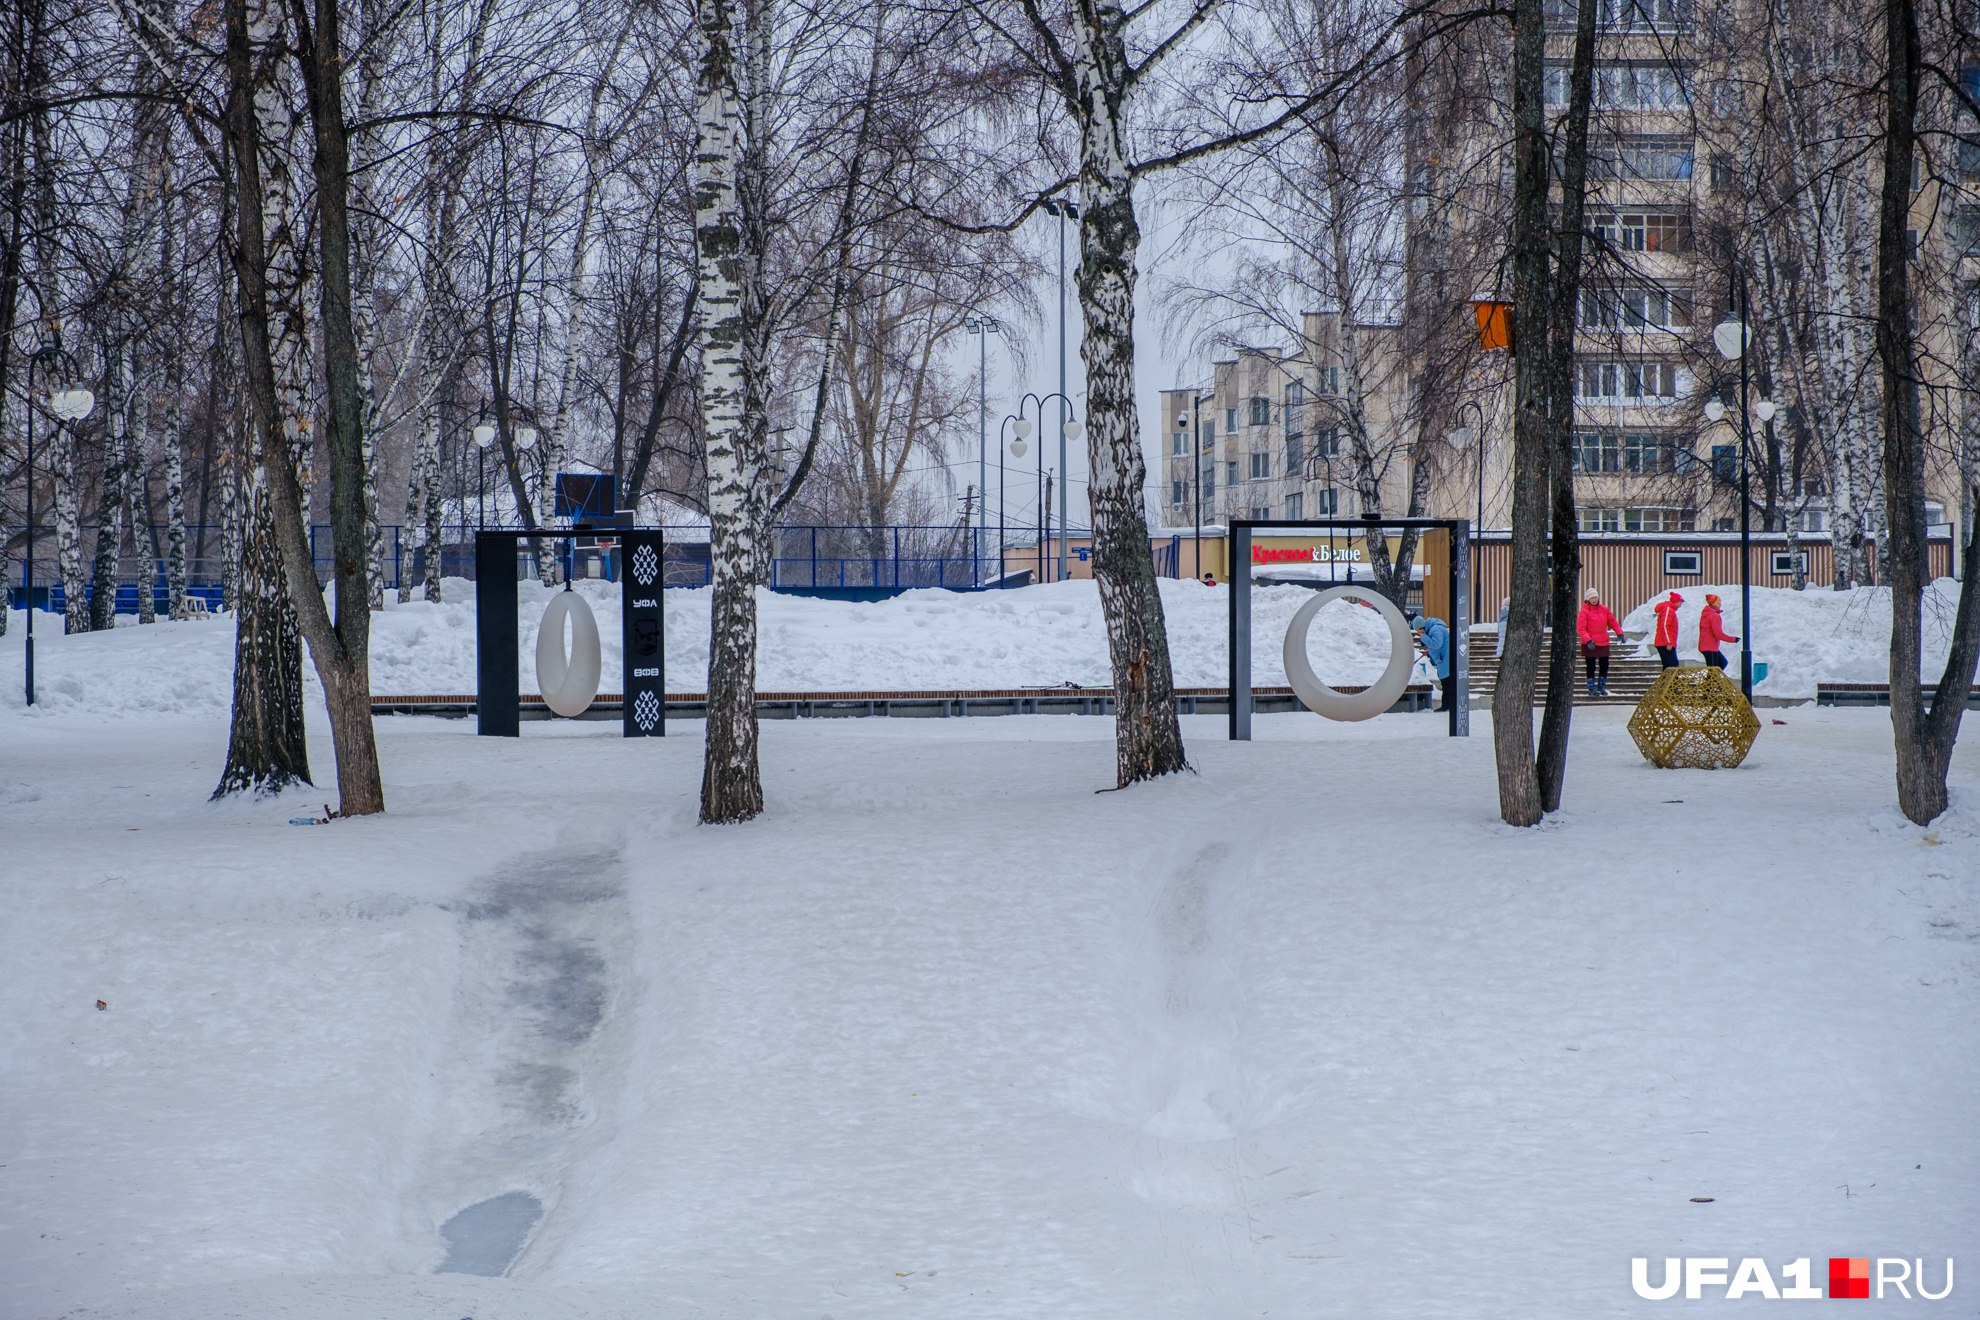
x=1711, y=599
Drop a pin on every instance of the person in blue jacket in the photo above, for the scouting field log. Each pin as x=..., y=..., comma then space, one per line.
x=1435, y=639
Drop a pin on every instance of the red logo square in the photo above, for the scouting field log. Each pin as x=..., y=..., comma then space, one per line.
x=1849, y=1276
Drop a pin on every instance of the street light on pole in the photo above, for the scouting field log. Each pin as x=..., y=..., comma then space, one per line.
x=1460, y=438
x=68, y=406
x=1732, y=337
x=1064, y=210
x=1069, y=430
x=983, y=327
x=484, y=436
x=1191, y=419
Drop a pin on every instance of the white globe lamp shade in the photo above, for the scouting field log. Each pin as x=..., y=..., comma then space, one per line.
x=72, y=405
x=1730, y=337
x=1071, y=430
x=525, y=437
x=1023, y=428
x=1714, y=410
x=1764, y=410
x=1018, y=447
x=1461, y=438
x=484, y=434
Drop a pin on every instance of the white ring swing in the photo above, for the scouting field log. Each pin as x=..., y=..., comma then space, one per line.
x=568, y=682
x=1349, y=706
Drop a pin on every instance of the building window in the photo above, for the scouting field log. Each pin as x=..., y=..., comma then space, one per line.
x=1327, y=503
x=1261, y=512
x=1178, y=493
x=1295, y=506
x=1644, y=231
x=1209, y=435
x=1179, y=443
x=1327, y=442
x=1782, y=562
x=1623, y=87
x=1724, y=524
x=1646, y=453
x=1624, y=15
x=1295, y=396
x=1639, y=308
x=1261, y=466
x=1209, y=481
x=1649, y=158
x=1963, y=229
x=1683, y=563
x=1596, y=451
x=1230, y=473
x=1659, y=520
x=1600, y=520
x=1814, y=520
x=1261, y=411
x=1295, y=454
x=1609, y=380
x=1230, y=421
x=1329, y=381
x=1725, y=463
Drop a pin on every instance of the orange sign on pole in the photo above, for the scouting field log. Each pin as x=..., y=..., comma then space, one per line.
x=1495, y=324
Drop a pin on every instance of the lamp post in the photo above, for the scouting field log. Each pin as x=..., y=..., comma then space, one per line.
x=1069, y=429
x=983, y=327
x=1462, y=436
x=484, y=436
x=1064, y=210
x=1732, y=337
x=68, y=406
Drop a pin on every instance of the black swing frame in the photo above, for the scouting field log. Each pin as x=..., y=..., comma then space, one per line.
x=1457, y=577
x=642, y=629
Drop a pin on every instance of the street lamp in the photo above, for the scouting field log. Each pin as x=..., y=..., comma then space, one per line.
x=68, y=406
x=1460, y=438
x=1063, y=210
x=1069, y=430
x=1191, y=419
x=484, y=436
x=983, y=327
x=1732, y=337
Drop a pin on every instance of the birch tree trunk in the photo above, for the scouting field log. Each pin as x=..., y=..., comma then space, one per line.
x=267, y=748
x=738, y=486
x=1147, y=736
x=233, y=536
x=175, y=515
x=113, y=496
x=68, y=528
x=372, y=41
x=137, y=510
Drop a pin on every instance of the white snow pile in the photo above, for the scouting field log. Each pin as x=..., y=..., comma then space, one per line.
x=1813, y=636
x=1043, y=636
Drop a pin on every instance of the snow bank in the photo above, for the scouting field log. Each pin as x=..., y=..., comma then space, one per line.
x=1032, y=637
x=1813, y=636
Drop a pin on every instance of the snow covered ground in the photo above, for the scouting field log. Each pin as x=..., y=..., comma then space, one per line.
x=1036, y=637
x=949, y=1034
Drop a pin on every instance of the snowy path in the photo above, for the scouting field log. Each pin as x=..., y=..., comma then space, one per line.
x=949, y=1034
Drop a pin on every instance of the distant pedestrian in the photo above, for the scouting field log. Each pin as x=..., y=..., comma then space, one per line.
x=1435, y=638
x=1593, y=626
x=1505, y=608
x=1712, y=631
x=1666, y=640
x=1209, y=579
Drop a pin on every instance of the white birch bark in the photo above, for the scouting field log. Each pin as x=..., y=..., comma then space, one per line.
x=175, y=513
x=137, y=508
x=738, y=484
x=113, y=494
x=1147, y=736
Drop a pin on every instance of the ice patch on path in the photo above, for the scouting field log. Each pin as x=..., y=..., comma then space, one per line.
x=486, y=1237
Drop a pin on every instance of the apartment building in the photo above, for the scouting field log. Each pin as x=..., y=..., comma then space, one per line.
x=1270, y=434
x=1276, y=432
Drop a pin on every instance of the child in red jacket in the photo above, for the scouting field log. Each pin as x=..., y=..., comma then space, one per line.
x=1593, y=625
x=1666, y=640
x=1712, y=631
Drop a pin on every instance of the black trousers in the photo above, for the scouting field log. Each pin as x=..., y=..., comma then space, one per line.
x=1669, y=655
x=1716, y=659
x=1597, y=660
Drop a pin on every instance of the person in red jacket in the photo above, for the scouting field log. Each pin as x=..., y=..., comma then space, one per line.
x=1594, y=625
x=1712, y=631
x=1666, y=640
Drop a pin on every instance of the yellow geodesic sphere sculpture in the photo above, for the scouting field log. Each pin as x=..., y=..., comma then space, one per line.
x=1695, y=719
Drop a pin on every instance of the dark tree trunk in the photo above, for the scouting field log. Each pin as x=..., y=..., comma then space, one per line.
x=1924, y=739
x=1564, y=300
